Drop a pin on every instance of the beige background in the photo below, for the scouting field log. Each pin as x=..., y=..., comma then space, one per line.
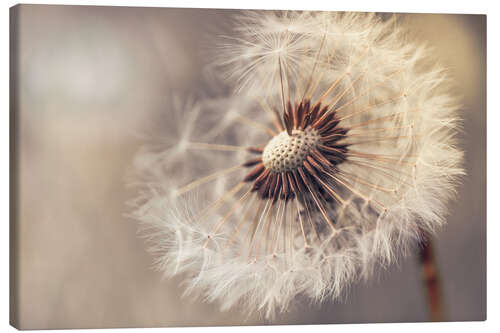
x=87, y=80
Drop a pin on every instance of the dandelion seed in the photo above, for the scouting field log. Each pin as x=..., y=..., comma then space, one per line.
x=348, y=155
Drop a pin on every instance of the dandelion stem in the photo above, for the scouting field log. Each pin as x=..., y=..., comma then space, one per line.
x=431, y=278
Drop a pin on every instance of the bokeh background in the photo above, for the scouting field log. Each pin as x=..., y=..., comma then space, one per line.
x=86, y=80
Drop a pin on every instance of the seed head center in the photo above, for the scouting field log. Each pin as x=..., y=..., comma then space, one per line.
x=286, y=153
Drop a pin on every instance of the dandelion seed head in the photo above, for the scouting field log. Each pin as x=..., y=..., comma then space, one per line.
x=346, y=151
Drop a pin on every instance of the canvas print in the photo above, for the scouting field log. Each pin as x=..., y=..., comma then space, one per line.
x=198, y=167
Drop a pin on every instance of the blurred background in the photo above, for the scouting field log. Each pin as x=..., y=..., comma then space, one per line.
x=88, y=79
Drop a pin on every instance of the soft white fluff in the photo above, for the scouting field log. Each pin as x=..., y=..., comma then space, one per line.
x=404, y=173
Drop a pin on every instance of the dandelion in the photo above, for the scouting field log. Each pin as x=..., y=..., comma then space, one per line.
x=337, y=150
